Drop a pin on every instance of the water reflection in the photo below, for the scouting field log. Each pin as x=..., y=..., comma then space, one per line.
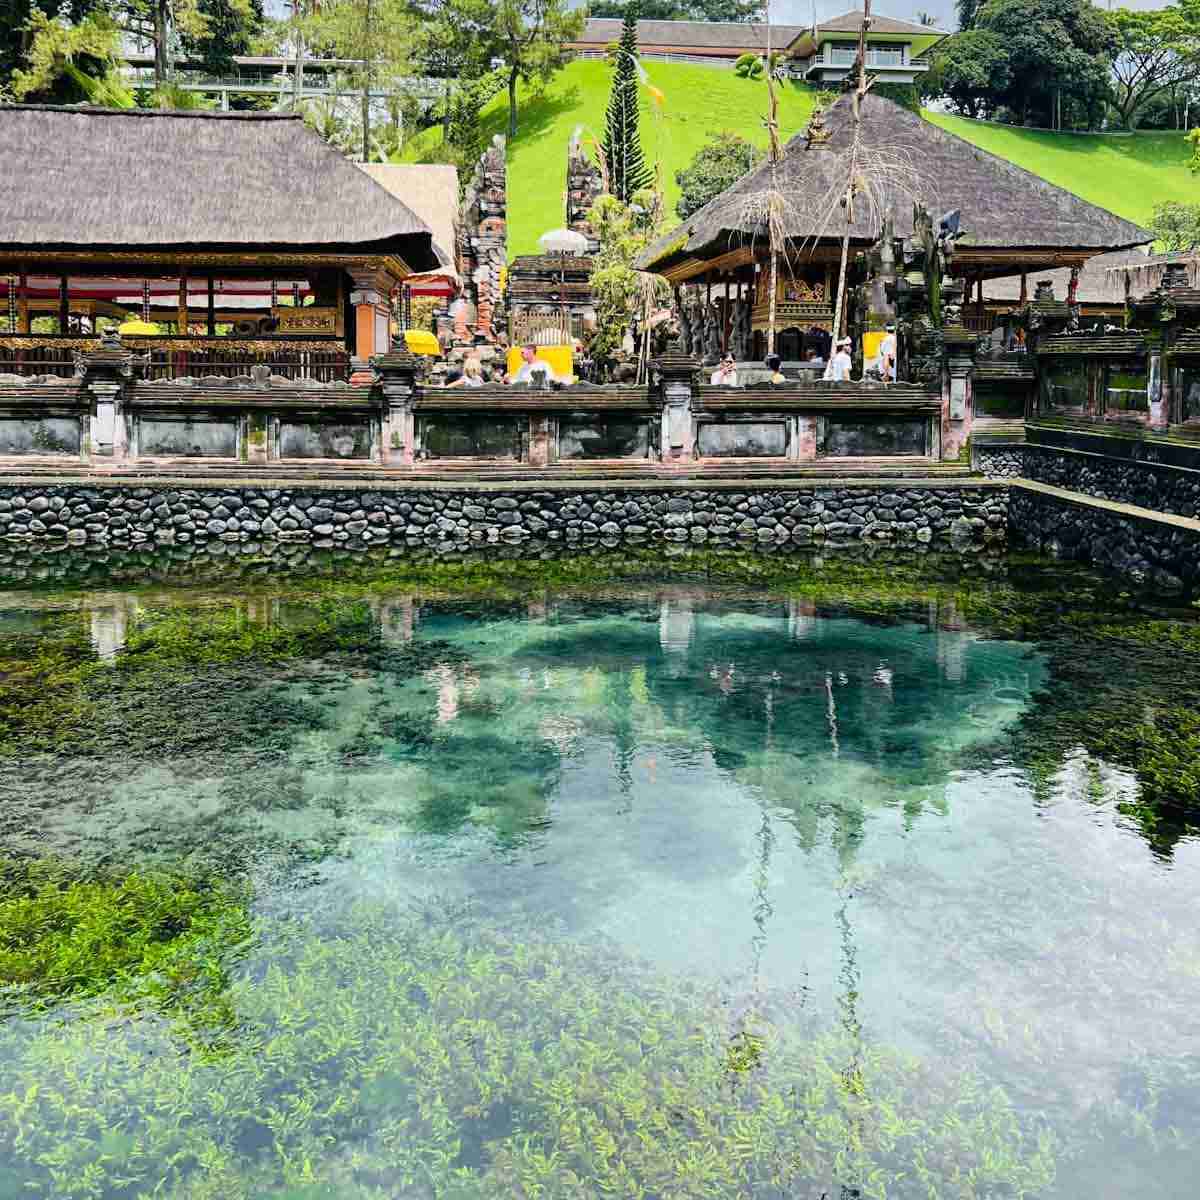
x=807, y=811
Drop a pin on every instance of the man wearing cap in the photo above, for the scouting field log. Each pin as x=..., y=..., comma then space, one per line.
x=840, y=364
x=887, y=355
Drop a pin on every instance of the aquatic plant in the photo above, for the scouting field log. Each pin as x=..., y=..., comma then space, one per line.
x=166, y=939
x=444, y=1057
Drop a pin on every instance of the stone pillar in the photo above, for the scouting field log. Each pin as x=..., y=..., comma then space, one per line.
x=677, y=372
x=398, y=371
x=539, y=440
x=107, y=371
x=957, y=388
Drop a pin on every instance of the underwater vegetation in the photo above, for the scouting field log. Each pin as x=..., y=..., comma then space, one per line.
x=441, y=1056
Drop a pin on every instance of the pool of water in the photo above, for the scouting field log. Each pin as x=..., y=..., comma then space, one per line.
x=671, y=887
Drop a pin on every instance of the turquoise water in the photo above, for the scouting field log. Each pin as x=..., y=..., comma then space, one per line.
x=677, y=889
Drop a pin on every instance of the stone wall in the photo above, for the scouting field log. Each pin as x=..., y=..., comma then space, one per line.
x=1159, y=486
x=1158, y=551
x=999, y=462
x=961, y=515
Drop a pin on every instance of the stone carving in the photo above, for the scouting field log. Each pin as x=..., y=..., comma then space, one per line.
x=815, y=133
x=584, y=186
x=483, y=246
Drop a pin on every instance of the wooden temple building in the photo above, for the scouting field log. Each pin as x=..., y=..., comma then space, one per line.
x=213, y=241
x=1013, y=224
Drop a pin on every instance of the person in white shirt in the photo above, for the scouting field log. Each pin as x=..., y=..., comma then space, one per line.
x=887, y=355
x=840, y=364
x=726, y=373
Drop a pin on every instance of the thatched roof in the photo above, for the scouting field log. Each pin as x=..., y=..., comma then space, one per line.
x=1003, y=206
x=142, y=179
x=1098, y=283
x=431, y=191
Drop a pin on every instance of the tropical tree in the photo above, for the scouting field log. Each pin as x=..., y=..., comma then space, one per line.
x=621, y=148
x=530, y=36
x=71, y=62
x=1048, y=62
x=377, y=36
x=722, y=160
x=1155, y=52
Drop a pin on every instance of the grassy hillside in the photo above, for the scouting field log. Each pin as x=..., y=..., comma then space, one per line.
x=1127, y=174
x=697, y=100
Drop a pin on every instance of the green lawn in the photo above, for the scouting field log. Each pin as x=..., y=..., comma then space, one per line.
x=697, y=100
x=1127, y=174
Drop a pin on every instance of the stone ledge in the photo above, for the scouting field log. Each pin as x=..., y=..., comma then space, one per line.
x=1082, y=500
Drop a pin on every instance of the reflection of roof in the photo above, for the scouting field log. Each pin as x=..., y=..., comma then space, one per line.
x=1002, y=205
x=138, y=178
x=430, y=190
x=1097, y=284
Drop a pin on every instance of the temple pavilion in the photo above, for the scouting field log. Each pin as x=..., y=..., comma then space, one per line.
x=1014, y=224
x=211, y=240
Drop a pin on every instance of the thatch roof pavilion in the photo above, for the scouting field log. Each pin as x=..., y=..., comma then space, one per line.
x=1013, y=218
x=1014, y=223
x=241, y=236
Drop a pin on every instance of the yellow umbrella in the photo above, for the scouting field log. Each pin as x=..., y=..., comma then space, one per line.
x=421, y=341
x=137, y=327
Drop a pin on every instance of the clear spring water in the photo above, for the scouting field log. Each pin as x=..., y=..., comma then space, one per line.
x=557, y=895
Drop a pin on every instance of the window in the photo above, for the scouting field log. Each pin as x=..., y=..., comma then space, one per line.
x=451, y=435
x=1126, y=389
x=743, y=439
x=1067, y=387
x=603, y=437
x=1189, y=392
x=842, y=54
x=862, y=437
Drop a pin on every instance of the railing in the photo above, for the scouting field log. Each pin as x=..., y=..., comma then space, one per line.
x=978, y=323
x=224, y=357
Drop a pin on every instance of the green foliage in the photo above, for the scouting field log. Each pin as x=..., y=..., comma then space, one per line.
x=907, y=95
x=444, y=1056
x=70, y=63
x=625, y=169
x=1193, y=138
x=163, y=938
x=1023, y=59
x=530, y=36
x=1176, y=225
x=624, y=230
x=1156, y=52
x=466, y=134
x=718, y=164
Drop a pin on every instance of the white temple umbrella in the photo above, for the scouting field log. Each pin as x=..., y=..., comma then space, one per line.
x=563, y=241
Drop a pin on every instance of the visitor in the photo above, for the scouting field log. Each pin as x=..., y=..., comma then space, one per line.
x=774, y=363
x=533, y=369
x=840, y=364
x=887, y=355
x=815, y=358
x=726, y=373
x=472, y=375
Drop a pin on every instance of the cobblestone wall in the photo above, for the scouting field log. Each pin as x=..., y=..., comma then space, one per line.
x=1157, y=486
x=122, y=514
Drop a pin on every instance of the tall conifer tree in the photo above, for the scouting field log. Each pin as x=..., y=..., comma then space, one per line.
x=627, y=169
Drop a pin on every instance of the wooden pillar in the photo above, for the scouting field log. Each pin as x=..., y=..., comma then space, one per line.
x=182, y=317
x=23, y=301
x=212, y=307
x=64, y=305
x=979, y=294
x=1024, y=289
x=146, y=300
x=11, y=287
